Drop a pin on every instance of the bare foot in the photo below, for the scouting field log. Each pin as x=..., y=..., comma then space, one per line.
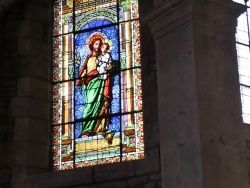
x=109, y=138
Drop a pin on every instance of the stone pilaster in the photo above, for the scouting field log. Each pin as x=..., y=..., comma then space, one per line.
x=198, y=93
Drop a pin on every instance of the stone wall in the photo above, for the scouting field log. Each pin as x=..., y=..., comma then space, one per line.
x=202, y=144
x=193, y=133
x=247, y=147
x=25, y=89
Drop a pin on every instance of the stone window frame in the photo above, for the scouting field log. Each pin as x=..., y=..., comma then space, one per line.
x=33, y=132
x=243, y=42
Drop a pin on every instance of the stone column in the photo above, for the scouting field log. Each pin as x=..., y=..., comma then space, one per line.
x=199, y=103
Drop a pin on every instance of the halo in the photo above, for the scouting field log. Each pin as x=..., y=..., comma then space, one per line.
x=95, y=36
x=109, y=42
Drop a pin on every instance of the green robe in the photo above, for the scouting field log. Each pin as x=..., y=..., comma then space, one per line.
x=93, y=104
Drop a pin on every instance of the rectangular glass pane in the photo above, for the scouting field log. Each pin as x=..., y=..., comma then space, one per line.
x=239, y=1
x=92, y=150
x=242, y=30
x=131, y=90
x=63, y=102
x=63, y=17
x=245, y=98
x=130, y=44
x=57, y=104
x=63, y=58
x=132, y=137
x=244, y=64
x=63, y=147
x=91, y=14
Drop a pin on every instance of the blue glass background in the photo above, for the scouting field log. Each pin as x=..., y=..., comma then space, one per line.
x=82, y=49
x=96, y=23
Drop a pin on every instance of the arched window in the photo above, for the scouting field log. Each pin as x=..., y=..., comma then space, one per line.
x=243, y=52
x=97, y=99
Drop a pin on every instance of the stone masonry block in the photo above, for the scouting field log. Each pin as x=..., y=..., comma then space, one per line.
x=155, y=177
x=150, y=109
x=217, y=98
x=5, y=175
x=19, y=153
x=145, y=7
x=6, y=137
x=29, y=107
x=181, y=129
x=175, y=62
x=172, y=162
x=150, y=185
x=216, y=61
x=46, y=3
x=25, y=28
x=5, y=159
x=36, y=11
x=149, y=84
x=36, y=170
x=31, y=181
x=137, y=181
x=9, y=87
x=33, y=87
x=159, y=184
x=218, y=121
x=38, y=155
x=66, y=178
x=247, y=150
x=148, y=64
x=113, y=171
x=178, y=97
x=32, y=66
x=113, y=184
x=189, y=154
x=10, y=69
x=188, y=178
x=20, y=178
x=151, y=133
x=221, y=148
x=150, y=164
x=21, y=130
x=7, y=4
x=247, y=131
x=225, y=177
x=184, y=128
x=85, y=186
x=34, y=47
x=2, y=9
x=31, y=129
x=9, y=48
x=6, y=128
x=147, y=50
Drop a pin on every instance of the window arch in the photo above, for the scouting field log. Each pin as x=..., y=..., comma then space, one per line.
x=97, y=99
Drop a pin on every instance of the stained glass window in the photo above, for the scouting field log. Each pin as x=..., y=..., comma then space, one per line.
x=97, y=99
